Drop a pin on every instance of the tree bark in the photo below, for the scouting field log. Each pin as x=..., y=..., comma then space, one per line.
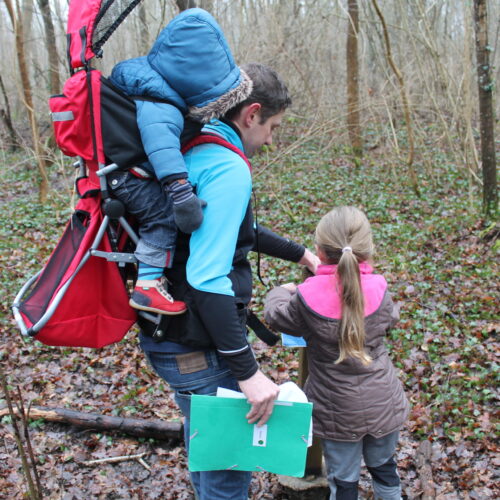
x=143, y=30
x=487, y=125
x=189, y=4
x=157, y=429
x=185, y=4
x=7, y=120
x=50, y=44
x=404, y=97
x=17, y=24
x=353, y=125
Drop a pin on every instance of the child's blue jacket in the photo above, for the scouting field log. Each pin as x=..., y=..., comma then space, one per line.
x=189, y=65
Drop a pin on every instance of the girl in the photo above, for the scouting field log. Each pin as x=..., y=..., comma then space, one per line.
x=344, y=313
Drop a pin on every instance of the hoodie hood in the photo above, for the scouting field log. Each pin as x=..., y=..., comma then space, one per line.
x=192, y=55
x=137, y=78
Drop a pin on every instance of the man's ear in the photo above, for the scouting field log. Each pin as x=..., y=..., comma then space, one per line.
x=251, y=114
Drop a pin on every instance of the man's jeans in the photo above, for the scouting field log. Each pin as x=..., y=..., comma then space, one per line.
x=201, y=373
x=148, y=202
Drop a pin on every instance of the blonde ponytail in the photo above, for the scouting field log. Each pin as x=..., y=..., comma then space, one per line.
x=344, y=235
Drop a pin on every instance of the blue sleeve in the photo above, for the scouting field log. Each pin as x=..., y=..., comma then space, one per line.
x=226, y=187
x=161, y=125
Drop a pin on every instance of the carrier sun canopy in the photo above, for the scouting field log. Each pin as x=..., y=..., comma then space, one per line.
x=90, y=24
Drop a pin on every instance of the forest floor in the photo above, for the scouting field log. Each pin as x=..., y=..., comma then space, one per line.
x=438, y=254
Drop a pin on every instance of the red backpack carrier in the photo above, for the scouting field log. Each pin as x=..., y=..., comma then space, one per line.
x=79, y=298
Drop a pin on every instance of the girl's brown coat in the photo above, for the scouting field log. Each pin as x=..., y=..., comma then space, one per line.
x=350, y=399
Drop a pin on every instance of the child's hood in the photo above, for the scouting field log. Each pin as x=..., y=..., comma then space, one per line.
x=137, y=77
x=192, y=55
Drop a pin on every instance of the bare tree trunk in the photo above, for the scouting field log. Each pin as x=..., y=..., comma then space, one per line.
x=207, y=5
x=50, y=44
x=189, y=4
x=143, y=28
x=16, y=19
x=471, y=157
x=487, y=126
x=7, y=120
x=404, y=97
x=352, y=61
x=185, y=4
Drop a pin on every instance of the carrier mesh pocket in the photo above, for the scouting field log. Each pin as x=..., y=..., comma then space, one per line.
x=35, y=305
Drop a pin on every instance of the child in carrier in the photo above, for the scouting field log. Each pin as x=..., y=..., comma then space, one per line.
x=344, y=313
x=189, y=71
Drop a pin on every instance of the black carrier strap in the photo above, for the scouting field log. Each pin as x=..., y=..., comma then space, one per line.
x=120, y=133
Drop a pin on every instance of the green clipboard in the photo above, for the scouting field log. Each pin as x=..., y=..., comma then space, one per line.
x=221, y=438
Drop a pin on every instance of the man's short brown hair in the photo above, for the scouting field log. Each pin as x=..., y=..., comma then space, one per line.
x=269, y=91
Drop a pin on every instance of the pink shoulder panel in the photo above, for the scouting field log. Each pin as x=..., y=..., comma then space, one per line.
x=322, y=294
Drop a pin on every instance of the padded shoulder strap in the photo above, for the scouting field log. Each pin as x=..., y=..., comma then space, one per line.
x=214, y=139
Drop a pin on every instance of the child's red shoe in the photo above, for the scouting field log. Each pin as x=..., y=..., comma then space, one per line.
x=152, y=296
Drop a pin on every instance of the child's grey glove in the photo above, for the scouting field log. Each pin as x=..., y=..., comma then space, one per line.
x=188, y=214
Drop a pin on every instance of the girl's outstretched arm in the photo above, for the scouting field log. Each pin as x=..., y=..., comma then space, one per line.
x=282, y=313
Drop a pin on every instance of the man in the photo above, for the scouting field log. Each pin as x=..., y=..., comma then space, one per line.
x=211, y=348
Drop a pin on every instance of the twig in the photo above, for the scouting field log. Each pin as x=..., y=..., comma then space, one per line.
x=33, y=492
x=123, y=458
x=27, y=440
x=144, y=464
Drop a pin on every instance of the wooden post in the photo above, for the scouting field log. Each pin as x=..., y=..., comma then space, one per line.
x=313, y=486
x=314, y=453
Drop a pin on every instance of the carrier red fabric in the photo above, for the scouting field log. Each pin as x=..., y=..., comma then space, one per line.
x=94, y=310
x=76, y=115
x=81, y=21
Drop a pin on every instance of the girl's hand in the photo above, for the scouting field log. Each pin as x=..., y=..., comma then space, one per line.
x=291, y=287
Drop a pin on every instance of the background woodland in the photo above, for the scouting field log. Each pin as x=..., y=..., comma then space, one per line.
x=352, y=67
x=395, y=110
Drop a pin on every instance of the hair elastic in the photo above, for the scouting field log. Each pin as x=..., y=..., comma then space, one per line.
x=346, y=249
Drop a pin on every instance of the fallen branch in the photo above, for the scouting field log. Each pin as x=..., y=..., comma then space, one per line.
x=109, y=460
x=157, y=429
x=423, y=460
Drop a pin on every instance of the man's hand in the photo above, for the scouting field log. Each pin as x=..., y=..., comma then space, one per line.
x=260, y=393
x=310, y=260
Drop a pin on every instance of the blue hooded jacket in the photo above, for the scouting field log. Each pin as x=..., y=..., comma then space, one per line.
x=191, y=66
